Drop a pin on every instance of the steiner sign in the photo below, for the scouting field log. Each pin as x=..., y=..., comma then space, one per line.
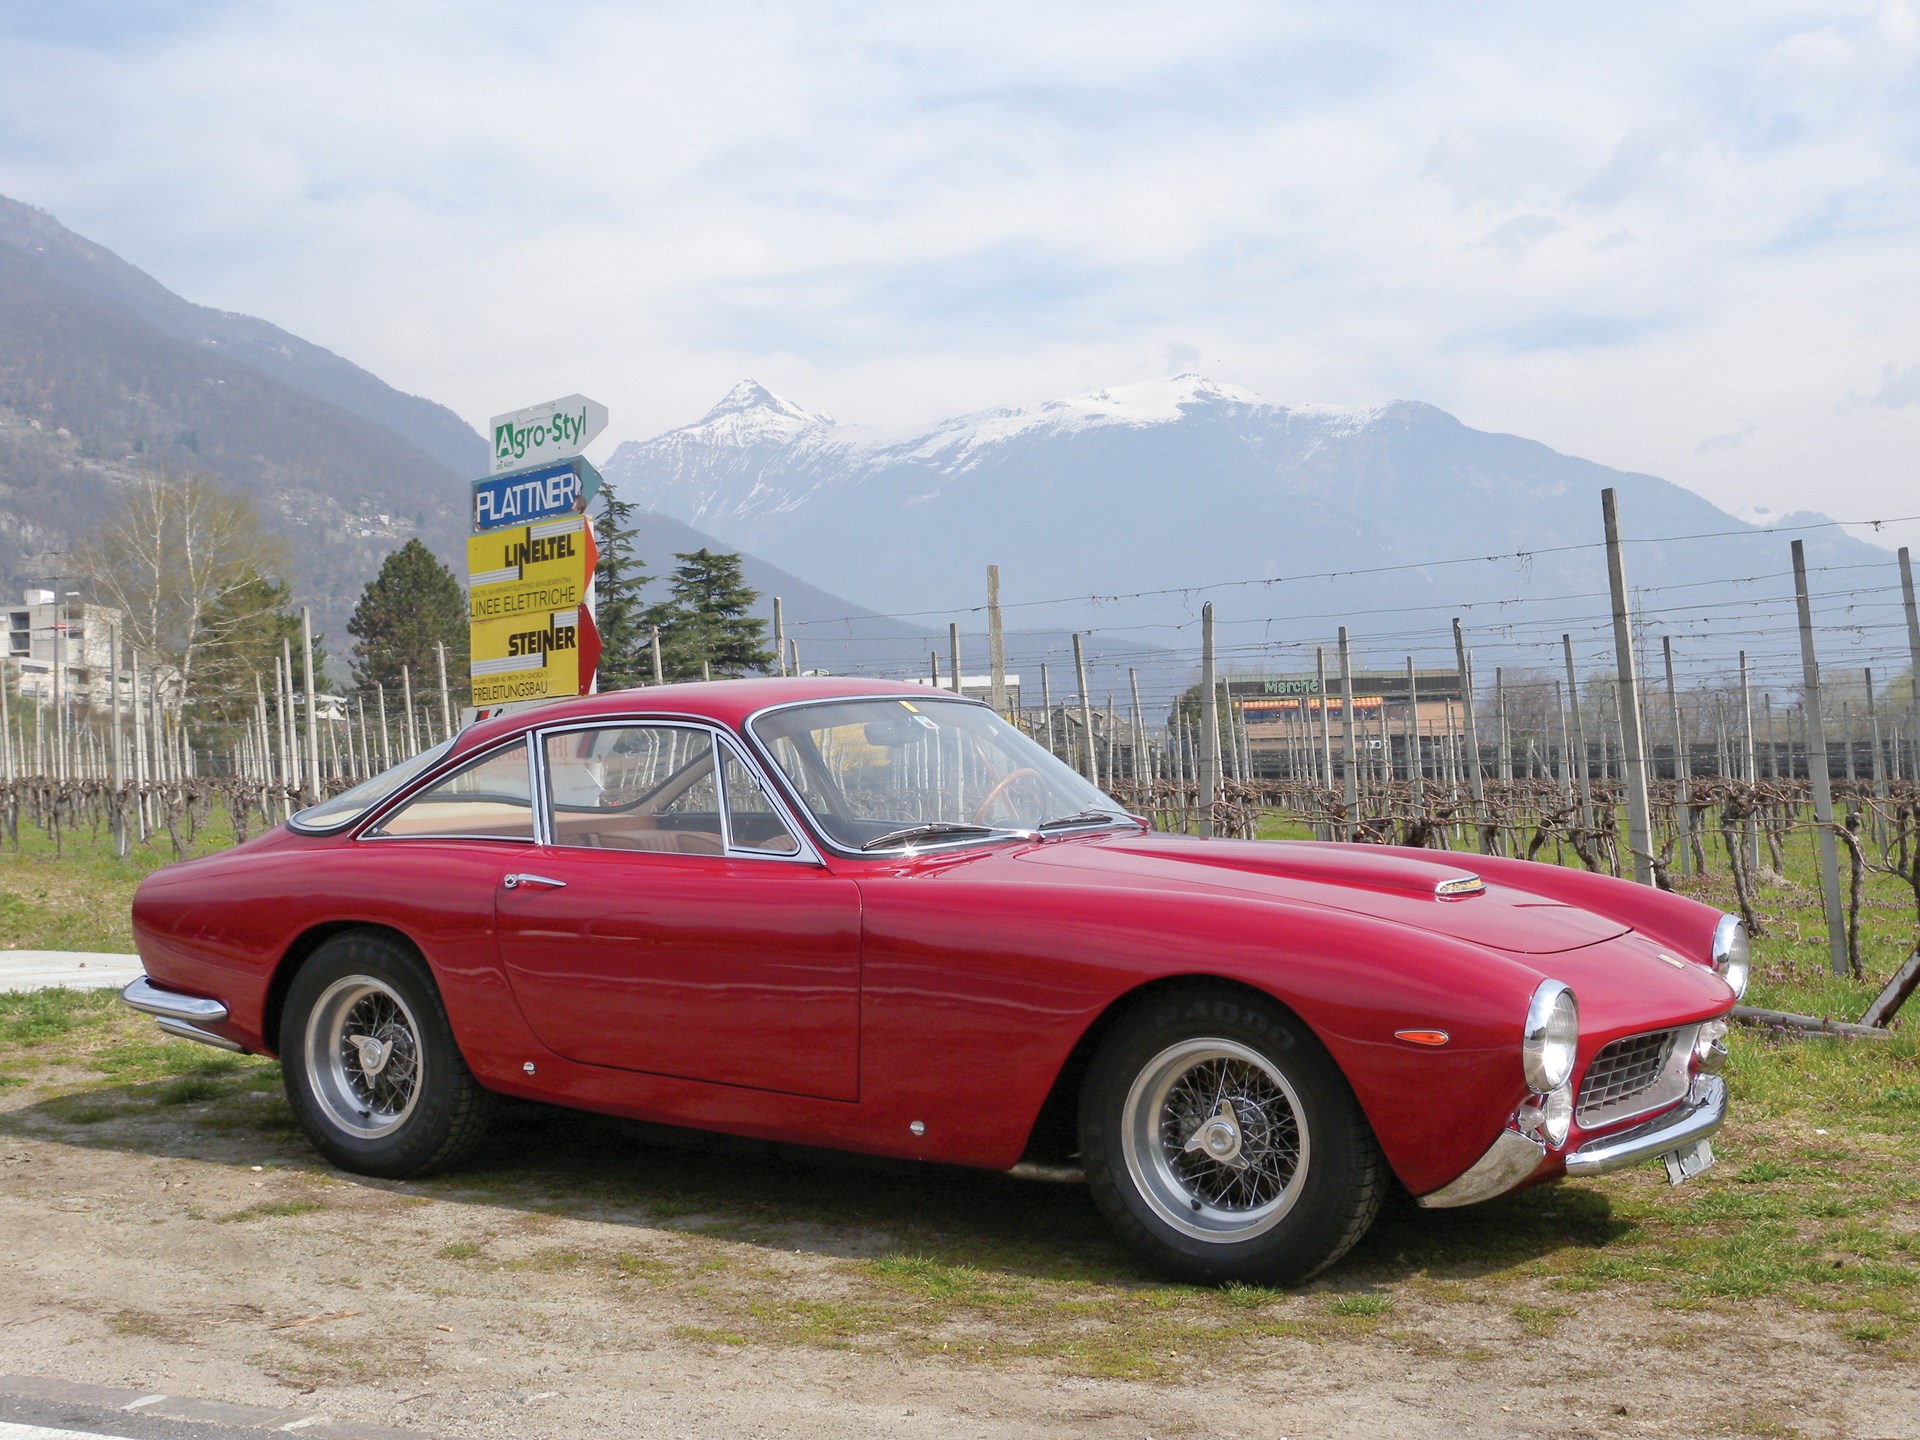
x=542, y=493
x=544, y=433
x=541, y=656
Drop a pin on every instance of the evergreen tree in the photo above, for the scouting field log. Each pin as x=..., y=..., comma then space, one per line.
x=413, y=602
x=706, y=619
x=625, y=637
x=251, y=620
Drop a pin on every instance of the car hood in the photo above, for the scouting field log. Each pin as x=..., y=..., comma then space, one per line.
x=1384, y=884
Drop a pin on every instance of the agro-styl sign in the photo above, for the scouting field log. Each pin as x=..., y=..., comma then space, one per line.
x=546, y=432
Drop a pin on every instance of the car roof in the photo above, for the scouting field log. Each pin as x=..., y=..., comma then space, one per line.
x=726, y=702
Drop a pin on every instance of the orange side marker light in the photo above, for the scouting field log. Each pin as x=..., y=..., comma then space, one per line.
x=1422, y=1037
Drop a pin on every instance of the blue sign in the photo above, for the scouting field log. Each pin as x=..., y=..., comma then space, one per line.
x=544, y=492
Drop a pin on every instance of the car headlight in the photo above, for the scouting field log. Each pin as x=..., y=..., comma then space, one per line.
x=1552, y=1033
x=1731, y=953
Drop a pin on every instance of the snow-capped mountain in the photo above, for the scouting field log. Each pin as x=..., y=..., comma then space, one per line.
x=1185, y=482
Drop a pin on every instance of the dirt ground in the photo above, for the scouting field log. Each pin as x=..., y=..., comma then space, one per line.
x=583, y=1279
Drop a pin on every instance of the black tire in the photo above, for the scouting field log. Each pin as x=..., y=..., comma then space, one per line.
x=408, y=1105
x=1302, y=1176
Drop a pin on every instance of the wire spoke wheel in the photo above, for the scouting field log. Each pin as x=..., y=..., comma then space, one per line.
x=363, y=1056
x=1215, y=1139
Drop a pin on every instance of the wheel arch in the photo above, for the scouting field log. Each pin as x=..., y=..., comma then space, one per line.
x=298, y=952
x=1054, y=1137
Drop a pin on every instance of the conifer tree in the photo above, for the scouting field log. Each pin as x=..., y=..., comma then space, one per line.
x=706, y=618
x=413, y=602
x=625, y=637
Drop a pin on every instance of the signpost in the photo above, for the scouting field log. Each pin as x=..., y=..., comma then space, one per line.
x=531, y=558
x=541, y=492
x=544, y=433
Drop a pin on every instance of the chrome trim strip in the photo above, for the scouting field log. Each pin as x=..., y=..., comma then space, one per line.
x=1511, y=1158
x=143, y=995
x=181, y=1030
x=1692, y=1120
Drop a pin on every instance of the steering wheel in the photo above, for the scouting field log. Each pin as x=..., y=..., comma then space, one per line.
x=1001, y=787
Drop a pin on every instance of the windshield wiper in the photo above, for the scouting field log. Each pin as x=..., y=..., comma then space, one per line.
x=932, y=829
x=1083, y=817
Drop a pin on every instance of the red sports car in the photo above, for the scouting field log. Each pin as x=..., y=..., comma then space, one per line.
x=876, y=916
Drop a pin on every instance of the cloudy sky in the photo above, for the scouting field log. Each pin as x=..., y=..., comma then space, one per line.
x=1678, y=239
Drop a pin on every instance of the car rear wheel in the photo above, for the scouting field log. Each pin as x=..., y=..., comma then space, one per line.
x=369, y=1061
x=1221, y=1141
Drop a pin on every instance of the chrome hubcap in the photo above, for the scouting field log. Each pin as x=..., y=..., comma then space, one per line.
x=363, y=1057
x=1215, y=1140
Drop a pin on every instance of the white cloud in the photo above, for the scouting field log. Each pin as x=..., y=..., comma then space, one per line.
x=1615, y=230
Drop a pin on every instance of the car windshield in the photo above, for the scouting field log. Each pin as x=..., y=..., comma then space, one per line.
x=884, y=774
x=349, y=805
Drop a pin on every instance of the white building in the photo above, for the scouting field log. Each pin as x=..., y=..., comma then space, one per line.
x=53, y=630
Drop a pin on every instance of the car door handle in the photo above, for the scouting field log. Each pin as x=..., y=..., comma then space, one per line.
x=514, y=882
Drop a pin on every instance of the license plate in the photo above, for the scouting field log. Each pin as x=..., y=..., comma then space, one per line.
x=1683, y=1165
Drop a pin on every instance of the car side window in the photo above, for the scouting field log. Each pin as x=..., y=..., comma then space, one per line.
x=752, y=821
x=635, y=787
x=489, y=799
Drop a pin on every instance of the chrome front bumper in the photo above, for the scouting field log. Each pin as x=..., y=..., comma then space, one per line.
x=179, y=1015
x=1698, y=1117
x=1513, y=1158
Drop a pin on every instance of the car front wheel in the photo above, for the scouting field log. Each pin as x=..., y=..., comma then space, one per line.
x=1221, y=1141
x=369, y=1061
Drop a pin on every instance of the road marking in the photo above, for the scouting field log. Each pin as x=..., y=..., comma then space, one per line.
x=10, y=1431
x=301, y=1424
x=143, y=1402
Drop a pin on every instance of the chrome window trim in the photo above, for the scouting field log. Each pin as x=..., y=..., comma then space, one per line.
x=434, y=776
x=970, y=842
x=717, y=735
x=379, y=806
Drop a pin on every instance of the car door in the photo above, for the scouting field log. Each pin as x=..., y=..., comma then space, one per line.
x=673, y=920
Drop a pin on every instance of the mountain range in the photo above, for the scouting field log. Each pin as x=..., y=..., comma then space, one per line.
x=1112, y=513
x=1122, y=509
x=103, y=370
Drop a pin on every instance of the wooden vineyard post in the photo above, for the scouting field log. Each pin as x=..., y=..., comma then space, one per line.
x=1627, y=701
x=1349, y=766
x=1817, y=772
x=996, y=646
x=1682, y=815
x=1087, y=751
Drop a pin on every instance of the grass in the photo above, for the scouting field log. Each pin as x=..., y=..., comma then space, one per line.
x=77, y=897
x=1810, y=1213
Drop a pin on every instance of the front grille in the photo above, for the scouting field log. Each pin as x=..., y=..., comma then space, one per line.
x=1622, y=1077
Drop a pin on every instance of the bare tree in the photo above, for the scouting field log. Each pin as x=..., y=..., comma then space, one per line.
x=175, y=554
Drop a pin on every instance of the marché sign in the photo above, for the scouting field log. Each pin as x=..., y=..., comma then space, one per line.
x=545, y=432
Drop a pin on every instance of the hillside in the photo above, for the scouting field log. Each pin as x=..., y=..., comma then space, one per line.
x=1183, y=482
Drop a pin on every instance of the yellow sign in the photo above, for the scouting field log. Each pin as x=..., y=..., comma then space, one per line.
x=533, y=657
x=526, y=571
